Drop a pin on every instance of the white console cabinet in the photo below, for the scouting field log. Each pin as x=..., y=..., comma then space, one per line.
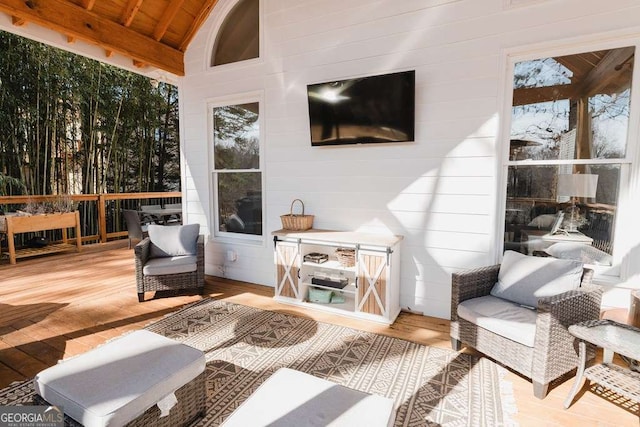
x=373, y=283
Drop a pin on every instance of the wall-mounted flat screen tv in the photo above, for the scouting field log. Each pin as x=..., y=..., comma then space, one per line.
x=374, y=109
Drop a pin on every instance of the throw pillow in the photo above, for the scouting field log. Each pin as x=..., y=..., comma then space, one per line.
x=523, y=279
x=173, y=240
x=543, y=222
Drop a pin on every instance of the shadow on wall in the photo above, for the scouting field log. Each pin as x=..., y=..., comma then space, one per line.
x=442, y=228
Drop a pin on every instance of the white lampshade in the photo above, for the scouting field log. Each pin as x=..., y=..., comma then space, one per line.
x=577, y=185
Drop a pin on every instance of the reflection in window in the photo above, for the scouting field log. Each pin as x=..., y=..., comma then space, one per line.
x=236, y=142
x=236, y=137
x=546, y=207
x=240, y=202
x=572, y=107
x=239, y=36
x=566, y=110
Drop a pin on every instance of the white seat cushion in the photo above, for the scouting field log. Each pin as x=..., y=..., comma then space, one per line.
x=293, y=398
x=118, y=381
x=501, y=317
x=170, y=265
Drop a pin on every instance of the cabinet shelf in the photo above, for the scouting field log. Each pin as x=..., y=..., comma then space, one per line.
x=349, y=289
x=332, y=264
x=347, y=305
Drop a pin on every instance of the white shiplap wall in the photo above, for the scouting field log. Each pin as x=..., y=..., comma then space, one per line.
x=442, y=191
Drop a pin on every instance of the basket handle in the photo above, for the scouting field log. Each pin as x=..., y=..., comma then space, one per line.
x=291, y=210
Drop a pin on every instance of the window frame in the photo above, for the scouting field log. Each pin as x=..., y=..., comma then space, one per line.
x=629, y=164
x=217, y=234
x=223, y=9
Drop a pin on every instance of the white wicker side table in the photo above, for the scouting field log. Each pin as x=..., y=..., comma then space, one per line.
x=613, y=337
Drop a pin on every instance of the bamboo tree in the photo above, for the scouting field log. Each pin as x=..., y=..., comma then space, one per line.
x=116, y=128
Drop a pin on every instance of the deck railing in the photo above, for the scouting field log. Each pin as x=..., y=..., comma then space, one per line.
x=100, y=214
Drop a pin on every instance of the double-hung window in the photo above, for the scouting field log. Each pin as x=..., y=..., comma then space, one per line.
x=237, y=168
x=568, y=156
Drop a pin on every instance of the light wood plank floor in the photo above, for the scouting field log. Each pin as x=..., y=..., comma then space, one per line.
x=53, y=307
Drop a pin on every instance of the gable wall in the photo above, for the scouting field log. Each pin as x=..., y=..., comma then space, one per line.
x=442, y=192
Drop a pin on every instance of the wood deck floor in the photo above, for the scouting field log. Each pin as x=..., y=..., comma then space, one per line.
x=57, y=306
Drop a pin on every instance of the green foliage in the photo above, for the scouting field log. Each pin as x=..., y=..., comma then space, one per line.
x=72, y=124
x=10, y=186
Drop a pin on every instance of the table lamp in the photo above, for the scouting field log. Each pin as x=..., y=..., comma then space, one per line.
x=576, y=185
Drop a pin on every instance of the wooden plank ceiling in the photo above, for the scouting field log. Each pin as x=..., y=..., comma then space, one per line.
x=150, y=32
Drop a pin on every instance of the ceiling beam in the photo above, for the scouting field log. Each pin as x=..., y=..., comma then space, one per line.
x=18, y=22
x=130, y=12
x=165, y=20
x=88, y=4
x=197, y=23
x=75, y=21
x=535, y=95
x=610, y=67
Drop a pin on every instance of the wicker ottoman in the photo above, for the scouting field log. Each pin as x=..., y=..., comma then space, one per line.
x=293, y=398
x=126, y=382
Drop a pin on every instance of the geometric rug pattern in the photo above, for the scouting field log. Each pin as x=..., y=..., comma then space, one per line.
x=244, y=346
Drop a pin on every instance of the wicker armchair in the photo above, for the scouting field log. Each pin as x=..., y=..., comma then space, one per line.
x=554, y=352
x=183, y=277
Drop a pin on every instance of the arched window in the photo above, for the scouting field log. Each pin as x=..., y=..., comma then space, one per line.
x=239, y=35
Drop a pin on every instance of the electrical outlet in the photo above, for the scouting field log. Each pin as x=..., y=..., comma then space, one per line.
x=232, y=256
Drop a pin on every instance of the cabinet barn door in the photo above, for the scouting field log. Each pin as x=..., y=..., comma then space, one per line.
x=287, y=265
x=372, y=282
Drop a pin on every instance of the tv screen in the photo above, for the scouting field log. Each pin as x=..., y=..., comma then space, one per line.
x=363, y=110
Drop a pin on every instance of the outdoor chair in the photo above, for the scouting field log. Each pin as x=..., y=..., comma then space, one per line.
x=518, y=314
x=135, y=229
x=170, y=259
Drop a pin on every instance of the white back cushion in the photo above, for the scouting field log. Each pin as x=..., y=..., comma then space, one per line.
x=523, y=279
x=173, y=240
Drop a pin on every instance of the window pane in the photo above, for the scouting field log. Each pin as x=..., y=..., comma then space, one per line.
x=236, y=136
x=239, y=36
x=240, y=202
x=572, y=107
x=581, y=199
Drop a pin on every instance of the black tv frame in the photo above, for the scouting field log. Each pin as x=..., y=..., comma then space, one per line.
x=373, y=109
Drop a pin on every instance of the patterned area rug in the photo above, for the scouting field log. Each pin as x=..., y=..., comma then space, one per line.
x=244, y=346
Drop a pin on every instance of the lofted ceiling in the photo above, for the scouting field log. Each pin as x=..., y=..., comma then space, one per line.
x=150, y=32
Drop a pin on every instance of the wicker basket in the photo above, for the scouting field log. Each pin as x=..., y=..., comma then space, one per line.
x=346, y=257
x=296, y=222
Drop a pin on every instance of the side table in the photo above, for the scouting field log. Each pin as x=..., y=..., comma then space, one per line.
x=613, y=337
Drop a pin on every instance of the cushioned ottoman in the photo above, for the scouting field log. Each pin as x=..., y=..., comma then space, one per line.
x=293, y=398
x=126, y=381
